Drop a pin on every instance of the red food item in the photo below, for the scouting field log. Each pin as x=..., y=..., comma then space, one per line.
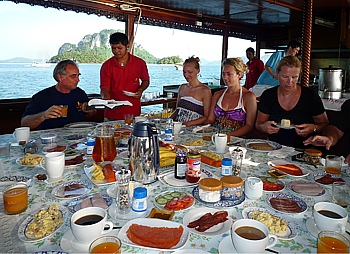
x=290, y=169
x=56, y=149
x=208, y=220
x=180, y=203
x=77, y=160
x=155, y=237
x=109, y=173
x=268, y=186
x=211, y=162
x=328, y=179
x=285, y=205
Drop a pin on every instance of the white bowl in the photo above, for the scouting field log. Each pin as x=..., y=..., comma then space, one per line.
x=48, y=138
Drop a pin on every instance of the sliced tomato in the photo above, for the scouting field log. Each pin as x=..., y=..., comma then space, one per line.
x=180, y=203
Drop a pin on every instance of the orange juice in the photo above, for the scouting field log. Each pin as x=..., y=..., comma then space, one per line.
x=332, y=170
x=107, y=247
x=329, y=244
x=15, y=199
x=64, y=110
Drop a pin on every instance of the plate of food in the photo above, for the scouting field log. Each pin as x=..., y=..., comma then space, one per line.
x=220, y=204
x=74, y=161
x=80, y=125
x=271, y=184
x=211, y=159
x=202, y=130
x=74, y=137
x=286, y=124
x=194, y=143
x=283, y=229
x=169, y=179
x=57, y=148
x=89, y=200
x=286, y=203
x=326, y=179
x=207, y=221
x=289, y=168
x=174, y=201
x=9, y=180
x=73, y=189
x=29, y=160
x=260, y=145
x=306, y=188
x=100, y=175
x=43, y=223
x=160, y=235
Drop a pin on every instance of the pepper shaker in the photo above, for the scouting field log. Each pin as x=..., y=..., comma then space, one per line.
x=237, y=158
x=123, y=201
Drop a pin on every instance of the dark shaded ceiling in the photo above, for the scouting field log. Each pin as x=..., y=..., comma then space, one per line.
x=265, y=20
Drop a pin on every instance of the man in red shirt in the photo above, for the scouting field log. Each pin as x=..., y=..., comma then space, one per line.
x=255, y=68
x=123, y=72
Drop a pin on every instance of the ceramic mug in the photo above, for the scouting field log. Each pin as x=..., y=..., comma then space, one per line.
x=251, y=236
x=177, y=127
x=22, y=134
x=253, y=187
x=330, y=216
x=88, y=223
x=220, y=142
x=54, y=164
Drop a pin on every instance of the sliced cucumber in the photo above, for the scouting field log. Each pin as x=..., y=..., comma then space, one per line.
x=175, y=194
x=161, y=201
x=168, y=197
x=159, y=197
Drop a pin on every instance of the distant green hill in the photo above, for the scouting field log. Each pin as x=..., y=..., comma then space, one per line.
x=95, y=48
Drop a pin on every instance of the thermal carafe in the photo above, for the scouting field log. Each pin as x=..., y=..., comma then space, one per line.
x=144, y=153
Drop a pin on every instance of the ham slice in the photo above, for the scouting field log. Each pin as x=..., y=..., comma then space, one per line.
x=285, y=205
x=310, y=189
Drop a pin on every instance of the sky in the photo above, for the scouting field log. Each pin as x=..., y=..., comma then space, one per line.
x=32, y=30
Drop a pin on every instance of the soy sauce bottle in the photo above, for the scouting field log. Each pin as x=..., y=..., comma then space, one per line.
x=180, y=164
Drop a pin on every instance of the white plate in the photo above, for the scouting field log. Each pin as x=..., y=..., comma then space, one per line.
x=9, y=180
x=289, y=184
x=97, y=182
x=19, y=159
x=80, y=125
x=46, y=149
x=75, y=137
x=74, y=205
x=313, y=229
x=195, y=214
x=71, y=245
x=190, y=251
x=292, y=126
x=123, y=155
x=283, y=162
x=183, y=194
x=58, y=191
x=153, y=223
x=299, y=201
x=129, y=93
x=319, y=175
x=291, y=231
x=278, y=182
x=23, y=227
x=245, y=143
x=226, y=246
x=169, y=179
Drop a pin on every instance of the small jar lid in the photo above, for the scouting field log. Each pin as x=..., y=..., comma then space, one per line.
x=231, y=181
x=91, y=142
x=140, y=192
x=227, y=162
x=313, y=152
x=210, y=184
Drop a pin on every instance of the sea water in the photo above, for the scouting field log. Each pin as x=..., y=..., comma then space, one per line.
x=23, y=80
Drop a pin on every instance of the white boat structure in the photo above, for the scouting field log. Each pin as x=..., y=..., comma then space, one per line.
x=41, y=65
x=179, y=66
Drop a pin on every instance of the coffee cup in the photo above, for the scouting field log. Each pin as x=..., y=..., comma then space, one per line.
x=22, y=134
x=330, y=216
x=253, y=187
x=220, y=142
x=177, y=127
x=251, y=236
x=54, y=164
x=87, y=224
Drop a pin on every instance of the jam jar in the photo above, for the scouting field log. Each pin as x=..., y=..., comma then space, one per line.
x=231, y=187
x=209, y=190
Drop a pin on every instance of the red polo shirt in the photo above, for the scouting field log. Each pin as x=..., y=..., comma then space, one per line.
x=255, y=68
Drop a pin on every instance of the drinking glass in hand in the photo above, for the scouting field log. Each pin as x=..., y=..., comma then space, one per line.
x=128, y=118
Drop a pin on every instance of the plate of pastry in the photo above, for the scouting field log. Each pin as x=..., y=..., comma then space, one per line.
x=260, y=145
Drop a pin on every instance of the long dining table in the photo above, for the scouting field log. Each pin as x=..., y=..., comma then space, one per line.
x=40, y=196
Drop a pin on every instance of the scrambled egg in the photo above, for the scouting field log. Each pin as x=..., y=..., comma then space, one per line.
x=194, y=142
x=97, y=173
x=274, y=223
x=45, y=222
x=30, y=159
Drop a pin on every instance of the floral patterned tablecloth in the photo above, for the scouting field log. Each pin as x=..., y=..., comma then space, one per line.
x=40, y=196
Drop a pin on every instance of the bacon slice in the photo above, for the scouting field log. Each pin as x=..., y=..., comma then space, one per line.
x=208, y=220
x=328, y=179
x=290, y=169
x=155, y=237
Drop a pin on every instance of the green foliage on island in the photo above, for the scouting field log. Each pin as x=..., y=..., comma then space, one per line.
x=95, y=48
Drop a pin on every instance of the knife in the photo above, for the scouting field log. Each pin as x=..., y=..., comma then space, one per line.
x=114, y=227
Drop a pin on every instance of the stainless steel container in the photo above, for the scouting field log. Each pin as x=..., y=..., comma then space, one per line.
x=330, y=79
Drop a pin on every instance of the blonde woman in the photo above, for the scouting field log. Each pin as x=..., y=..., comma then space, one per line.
x=193, y=100
x=233, y=110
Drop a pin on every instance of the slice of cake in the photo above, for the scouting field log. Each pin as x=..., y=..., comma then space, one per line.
x=285, y=123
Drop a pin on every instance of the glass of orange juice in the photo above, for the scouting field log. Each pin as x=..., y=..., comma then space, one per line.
x=15, y=198
x=129, y=118
x=333, y=164
x=106, y=244
x=64, y=110
x=332, y=242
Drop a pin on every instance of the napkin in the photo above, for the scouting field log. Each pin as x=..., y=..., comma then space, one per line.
x=199, y=128
x=108, y=103
x=281, y=153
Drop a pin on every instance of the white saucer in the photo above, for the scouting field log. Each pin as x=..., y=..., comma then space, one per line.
x=115, y=215
x=213, y=149
x=313, y=229
x=226, y=246
x=71, y=245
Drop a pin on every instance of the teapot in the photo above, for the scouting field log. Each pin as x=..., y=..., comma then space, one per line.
x=253, y=187
x=144, y=153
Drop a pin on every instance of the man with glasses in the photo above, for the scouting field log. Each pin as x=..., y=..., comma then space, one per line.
x=45, y=108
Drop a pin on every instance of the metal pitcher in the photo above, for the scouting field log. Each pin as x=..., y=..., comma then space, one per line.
x=144, y=153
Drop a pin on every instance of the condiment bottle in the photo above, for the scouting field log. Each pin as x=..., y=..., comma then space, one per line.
x=209, y=190
x=123, y=200
x=226, y=167
x=237, y=158
x=139, y=203
x=169, y=129
x=232, y=187
x=180, y=164
x=193, y=166
x=90, y=146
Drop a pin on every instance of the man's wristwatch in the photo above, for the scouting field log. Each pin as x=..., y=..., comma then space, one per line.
x=315, y=130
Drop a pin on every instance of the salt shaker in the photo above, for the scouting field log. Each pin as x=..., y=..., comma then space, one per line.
x=123, y=200
x=237, y=158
